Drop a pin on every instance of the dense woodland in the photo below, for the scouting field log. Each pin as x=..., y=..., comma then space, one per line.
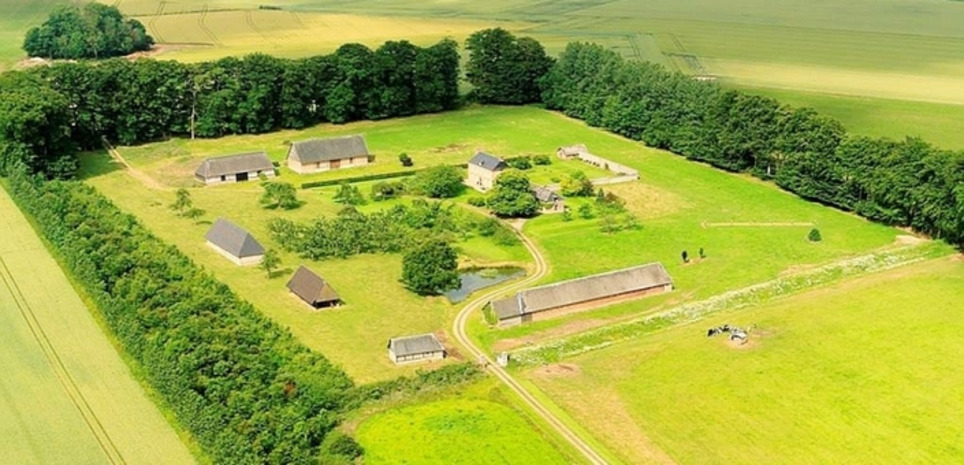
x=48, y=113
x=243, y=386
x=92, y=31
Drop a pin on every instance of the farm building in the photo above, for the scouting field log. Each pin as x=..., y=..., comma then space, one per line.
x=572, y=151
x=415, y=348
x=582, y=294
x=314, y=155
x=550, y=200
x=311, y=288
x=483, y=169
x=234, y=168
x=234, y=243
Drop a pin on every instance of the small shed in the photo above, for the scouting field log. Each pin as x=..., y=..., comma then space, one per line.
x=415, y=348
x=234, y=168
x=314, y=155
x=572, y=151
x=234, y=243
x=550, y=200
x=311, y=288
x=483, y=170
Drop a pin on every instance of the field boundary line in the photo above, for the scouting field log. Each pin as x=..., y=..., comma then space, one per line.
x=60, y=370
x=755, y=294
x=785, y=224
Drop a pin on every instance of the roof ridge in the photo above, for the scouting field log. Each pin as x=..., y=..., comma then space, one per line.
x=598, y=275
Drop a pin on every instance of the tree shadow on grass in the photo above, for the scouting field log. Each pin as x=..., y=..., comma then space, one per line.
x=279, y=273
x=97, y=163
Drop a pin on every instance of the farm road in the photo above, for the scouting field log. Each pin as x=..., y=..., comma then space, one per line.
x=542, y=268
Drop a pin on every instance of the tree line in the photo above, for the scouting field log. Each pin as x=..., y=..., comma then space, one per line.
x=246, y=390
x=49, y=113
x=897, y=182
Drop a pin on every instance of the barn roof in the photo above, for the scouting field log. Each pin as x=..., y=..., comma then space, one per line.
x=412, y=345
x=574, y=149
x=311, y=288
x=545, y=194
x=233, y=240
x=489, y=162
x=584, y=289
x=336, y=148
x=231, y=164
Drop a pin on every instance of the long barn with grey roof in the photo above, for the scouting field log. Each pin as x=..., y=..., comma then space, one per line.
x=314, y=155
x=582, y=294
x=234, y=168
x=415, y=348
x=234, y=243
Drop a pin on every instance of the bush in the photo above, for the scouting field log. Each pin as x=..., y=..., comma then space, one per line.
x=439, y=182
x=814, y=235
x=357, y=179
x=542, y=160
x=477, y=201
x=405, y=159
x=519, y=163
x=386, y=190
x=577, y=184
x=349, y=195
x=339, y=448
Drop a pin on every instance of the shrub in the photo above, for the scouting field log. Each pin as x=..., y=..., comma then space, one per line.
x=405, y=159
x=577, y=184
x=357, y=179
x=439, y=182
x=340, y=448
x=349, y=195
x=477, y=201
x=586, y=212
x=519, y=163
x=386, y=190
x=542, y=160
x=814, y=235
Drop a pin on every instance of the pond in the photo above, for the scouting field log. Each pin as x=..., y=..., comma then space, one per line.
x=474, y=279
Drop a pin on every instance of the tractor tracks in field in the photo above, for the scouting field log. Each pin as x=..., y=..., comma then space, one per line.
x=152, y=23
x=59, y=368
x=542, y=269
x=204, y=28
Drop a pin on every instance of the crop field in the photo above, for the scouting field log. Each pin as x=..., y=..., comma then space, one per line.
x=66, y=396
x=855, y=372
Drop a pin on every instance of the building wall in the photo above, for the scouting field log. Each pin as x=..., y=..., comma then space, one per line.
x=252, y=176
x=415, y=357
x=480, y=178
x=253, y=260
x=352, y=162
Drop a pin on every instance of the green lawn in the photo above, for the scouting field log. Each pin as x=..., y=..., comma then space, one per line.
x=678, y=202
x=858, y=372
x=66, y=396
x=455, y=430
x=18, y=17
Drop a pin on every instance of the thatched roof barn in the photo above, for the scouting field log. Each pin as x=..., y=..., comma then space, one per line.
x=234, y=168
x=311, y=288
x=234, y=243
x=315, y=155
x=415, y=348
x=583, y=293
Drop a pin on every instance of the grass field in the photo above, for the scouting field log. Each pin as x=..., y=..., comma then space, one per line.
x=477, y=425
x=65, y=394
x=678, y=202
x=854, y=373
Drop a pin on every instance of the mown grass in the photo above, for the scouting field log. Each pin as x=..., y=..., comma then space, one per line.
x=68, y=397
x=18, y=17
x=834, y=375
x=455, y=430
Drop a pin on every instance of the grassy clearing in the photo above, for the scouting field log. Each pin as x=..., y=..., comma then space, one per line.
x=479, y=426
x=834, y=375
x=66, y=396
x=19, y=16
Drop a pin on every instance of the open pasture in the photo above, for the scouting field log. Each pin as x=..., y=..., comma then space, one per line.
x=66, y=396
x=478, y=426
x=860, y=371
x=679, y=204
